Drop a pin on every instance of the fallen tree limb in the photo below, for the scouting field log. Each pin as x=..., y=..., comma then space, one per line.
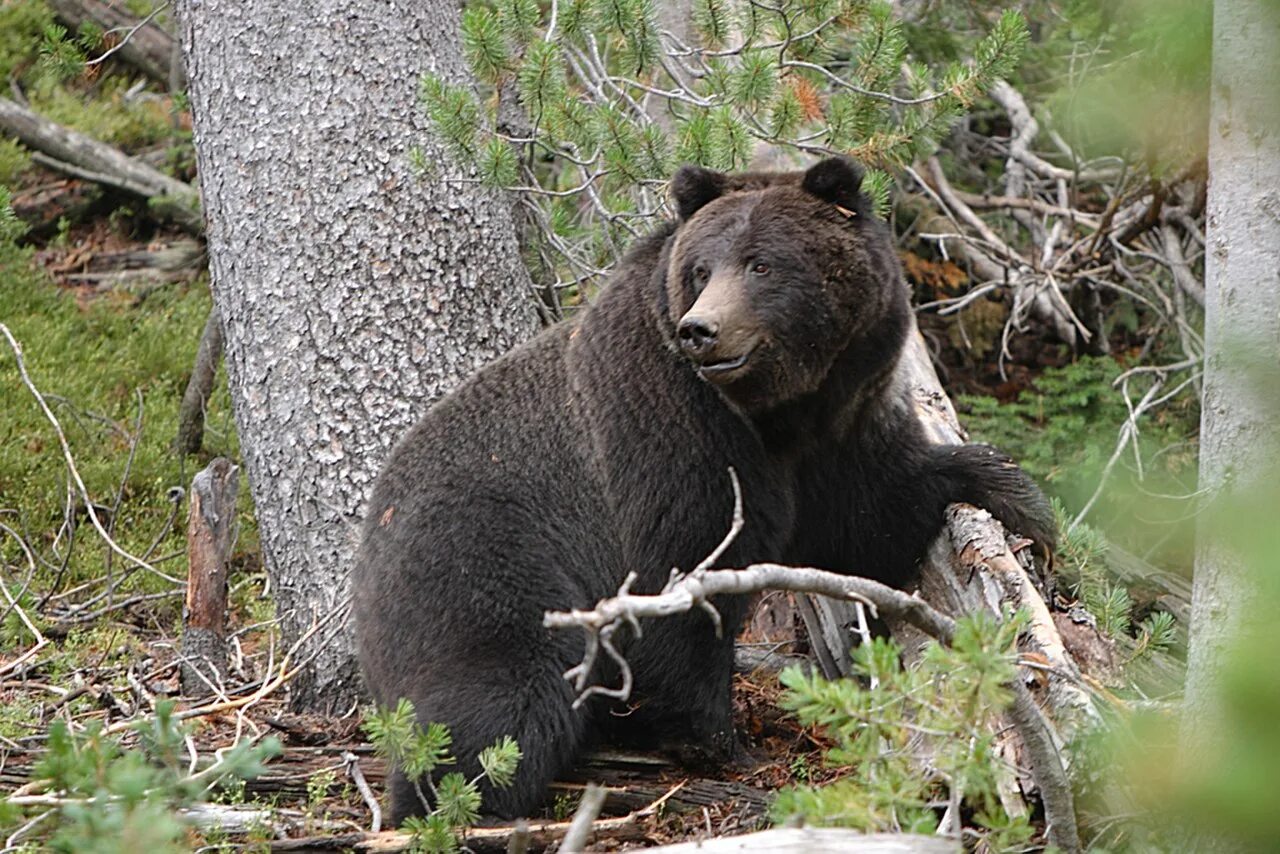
x=575, y=838
x=627, y=828
x=139, y=270
x=143, y=44
x=695, y=589
x=73, y=153
x=685, y=591
x=43, y=207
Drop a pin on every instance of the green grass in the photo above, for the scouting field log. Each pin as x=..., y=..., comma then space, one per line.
x=111, y=368
x=129, y=123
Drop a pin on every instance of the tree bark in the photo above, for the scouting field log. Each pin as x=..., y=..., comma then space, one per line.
x=1242, y=336
x=352, y=291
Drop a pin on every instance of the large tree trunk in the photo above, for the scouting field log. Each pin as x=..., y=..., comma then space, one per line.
x=1242, y=332
x=352, y=291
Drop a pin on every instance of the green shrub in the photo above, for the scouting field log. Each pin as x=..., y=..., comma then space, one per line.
x=890, y=722
x=454, y=804
x=115, y=799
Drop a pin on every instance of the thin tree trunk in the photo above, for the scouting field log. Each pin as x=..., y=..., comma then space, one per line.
x=352, y=291
x=1242, y=334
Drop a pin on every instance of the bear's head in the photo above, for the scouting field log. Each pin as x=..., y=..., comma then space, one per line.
x=776, y=281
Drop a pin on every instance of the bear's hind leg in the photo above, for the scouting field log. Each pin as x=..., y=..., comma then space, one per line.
x=682, y=701
x=479, y=710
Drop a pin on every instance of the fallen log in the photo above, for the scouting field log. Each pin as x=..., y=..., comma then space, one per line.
x=148, y=47
x=162, y=263
x=970, y=567
x=42, y=208
x=483, y=840
x=72, y=153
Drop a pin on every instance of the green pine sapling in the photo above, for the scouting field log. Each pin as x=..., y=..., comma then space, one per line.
x=419, y=752
x=889, y=722
x=586, y=106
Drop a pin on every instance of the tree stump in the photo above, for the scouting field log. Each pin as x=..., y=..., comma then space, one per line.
x=210, y=532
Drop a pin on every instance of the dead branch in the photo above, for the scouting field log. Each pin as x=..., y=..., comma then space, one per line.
x=139, y=269
x=685, y=591
x=1026, y=129
x=195, y=400
x=1032, y=291
x=72, y=153
x=1177, y=263
x=352, y=764
x=625, y=828
x=44, y=206
x=579, y=831
x=143, y=44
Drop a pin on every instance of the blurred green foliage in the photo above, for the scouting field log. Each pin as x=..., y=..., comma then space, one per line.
x=1065, y=429
x=23, y=24
x=122, y=800
x=1140, y=789
x=1137, y=83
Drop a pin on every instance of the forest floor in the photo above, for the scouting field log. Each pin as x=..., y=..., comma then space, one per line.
x=122, y=663
x=109, y=309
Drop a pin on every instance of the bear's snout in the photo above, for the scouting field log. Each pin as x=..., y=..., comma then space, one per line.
x=698, y=335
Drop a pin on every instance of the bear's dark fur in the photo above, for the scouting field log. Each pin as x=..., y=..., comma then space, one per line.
x=760, y=331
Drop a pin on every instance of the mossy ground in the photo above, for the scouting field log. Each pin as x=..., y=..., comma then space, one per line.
x=112, y=368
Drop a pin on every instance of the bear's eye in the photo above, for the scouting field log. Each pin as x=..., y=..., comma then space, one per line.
x=701, y=274
x=760, y=268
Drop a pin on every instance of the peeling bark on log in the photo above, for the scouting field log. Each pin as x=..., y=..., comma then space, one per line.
x=210, y=531
x=151, y=49
x=970, y=568
x=71, y=152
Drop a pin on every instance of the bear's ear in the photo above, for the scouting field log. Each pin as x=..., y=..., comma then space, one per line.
x=692, y=187
x=836, y=180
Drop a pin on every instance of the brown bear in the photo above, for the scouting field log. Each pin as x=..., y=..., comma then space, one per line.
x=759, y=331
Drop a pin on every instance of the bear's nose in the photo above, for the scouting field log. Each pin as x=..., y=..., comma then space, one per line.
x=697, y=334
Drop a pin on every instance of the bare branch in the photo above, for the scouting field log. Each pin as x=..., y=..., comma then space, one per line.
x=575, y=840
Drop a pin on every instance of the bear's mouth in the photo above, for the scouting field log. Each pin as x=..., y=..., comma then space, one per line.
x=722, y=368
